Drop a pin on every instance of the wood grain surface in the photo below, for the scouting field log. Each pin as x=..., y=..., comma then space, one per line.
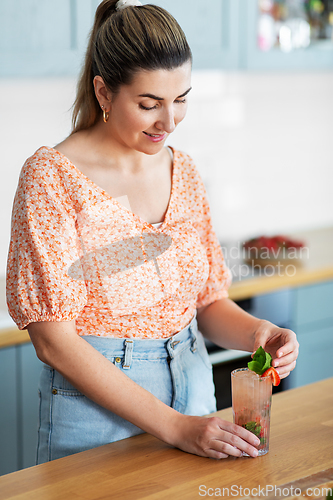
x=142, y=467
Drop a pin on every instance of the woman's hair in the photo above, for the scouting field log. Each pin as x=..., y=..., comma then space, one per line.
x=121, y=43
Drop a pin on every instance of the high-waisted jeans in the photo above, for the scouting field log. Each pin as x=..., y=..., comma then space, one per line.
x=176, y=370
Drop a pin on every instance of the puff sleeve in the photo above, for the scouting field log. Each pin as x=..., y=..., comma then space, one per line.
x=219, y=279
x=43, y=245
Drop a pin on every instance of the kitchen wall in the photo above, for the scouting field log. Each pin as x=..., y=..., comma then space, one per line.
x=262, y=142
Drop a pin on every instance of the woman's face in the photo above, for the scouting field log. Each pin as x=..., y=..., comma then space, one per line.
x=144, y=113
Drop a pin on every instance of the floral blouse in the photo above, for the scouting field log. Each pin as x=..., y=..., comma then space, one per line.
x=77, y=253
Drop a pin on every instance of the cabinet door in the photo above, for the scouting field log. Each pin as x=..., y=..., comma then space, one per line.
x=47, y=38
x=315, y=357
x=313, y=324
x=318, y=55
x=43, y=38
x=30, y=368
x=275, y=307
x=313, y=305
x=211, y=29
x=9, y=435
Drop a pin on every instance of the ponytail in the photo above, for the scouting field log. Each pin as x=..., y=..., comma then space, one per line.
x=122, y=43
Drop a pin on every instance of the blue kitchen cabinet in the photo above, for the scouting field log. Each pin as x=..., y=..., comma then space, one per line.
x=211, y=28
x=19, y=374
x=9, y=418
x=314, y=306
x=315, y=356
x=30, y=368
x=275, y=307
x=313, y=322
x=43, y=37
x=47, y=38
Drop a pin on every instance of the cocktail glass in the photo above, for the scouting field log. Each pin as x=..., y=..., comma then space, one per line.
x=251, y=404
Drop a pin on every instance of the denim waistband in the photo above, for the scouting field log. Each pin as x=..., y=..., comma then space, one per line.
x=149, y=348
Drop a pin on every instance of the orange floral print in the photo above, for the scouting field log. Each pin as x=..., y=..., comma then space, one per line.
x=77, y=253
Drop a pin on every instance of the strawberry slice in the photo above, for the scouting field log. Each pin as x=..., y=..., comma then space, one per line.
x=274, y=374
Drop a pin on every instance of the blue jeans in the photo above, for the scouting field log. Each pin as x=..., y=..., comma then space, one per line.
x=176, y=370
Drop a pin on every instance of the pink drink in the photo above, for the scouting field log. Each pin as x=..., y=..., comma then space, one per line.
x=251, y=404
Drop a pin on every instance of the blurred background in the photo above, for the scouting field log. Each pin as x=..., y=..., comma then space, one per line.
x=259, y=123
x=259, y=127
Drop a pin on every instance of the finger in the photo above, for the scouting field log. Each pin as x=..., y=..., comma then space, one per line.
x=239, y=439
x=236, y=436
x=285, y=370
x=240, y=433
x=287, y=348
x=234, y=439
x=238, y=446
x=220, y=447
x=285, y=360
x=216, y=454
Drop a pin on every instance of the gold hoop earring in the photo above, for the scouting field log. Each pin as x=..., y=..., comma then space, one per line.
x=105, y=116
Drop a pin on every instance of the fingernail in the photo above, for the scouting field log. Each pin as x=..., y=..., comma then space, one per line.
x=280, y=354
x=255, y=453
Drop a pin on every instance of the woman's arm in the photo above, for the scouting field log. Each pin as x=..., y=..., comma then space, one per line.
x=58, y=345
x=227, y=325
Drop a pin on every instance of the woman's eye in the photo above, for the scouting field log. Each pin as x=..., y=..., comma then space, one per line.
x=146, y=108
x=149, y=108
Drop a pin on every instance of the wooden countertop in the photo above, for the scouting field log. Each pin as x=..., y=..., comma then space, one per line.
x=142, y=467
x=316, y=266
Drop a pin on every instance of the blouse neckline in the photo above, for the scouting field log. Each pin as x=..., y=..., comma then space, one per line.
x=117, y=203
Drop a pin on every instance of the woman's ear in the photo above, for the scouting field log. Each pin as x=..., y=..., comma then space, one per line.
x=103, y=95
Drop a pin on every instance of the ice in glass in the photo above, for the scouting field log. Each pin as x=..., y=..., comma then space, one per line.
x=251, y=404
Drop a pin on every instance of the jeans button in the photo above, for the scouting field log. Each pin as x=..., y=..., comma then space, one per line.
x=54, y=391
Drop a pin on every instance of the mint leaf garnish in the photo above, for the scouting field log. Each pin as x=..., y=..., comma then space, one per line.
x=261, y=361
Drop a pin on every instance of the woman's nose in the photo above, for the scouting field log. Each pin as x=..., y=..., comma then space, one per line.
x=167, y=121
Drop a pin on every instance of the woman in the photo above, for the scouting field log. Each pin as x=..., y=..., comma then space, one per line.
x=113, y=255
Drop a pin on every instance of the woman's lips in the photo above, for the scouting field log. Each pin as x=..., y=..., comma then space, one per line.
x=155, y=137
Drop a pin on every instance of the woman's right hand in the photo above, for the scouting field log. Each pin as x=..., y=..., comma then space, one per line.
x=213, y=437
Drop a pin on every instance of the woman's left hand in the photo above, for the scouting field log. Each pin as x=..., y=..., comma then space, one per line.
x=281, y=344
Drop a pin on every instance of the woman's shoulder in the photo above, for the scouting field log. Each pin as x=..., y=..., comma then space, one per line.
x=43, y=160
x=182, y=157
x=47, y=170
x=187, y=168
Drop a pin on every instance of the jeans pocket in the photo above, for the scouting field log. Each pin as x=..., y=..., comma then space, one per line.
x=61, y=386
x=202, y=350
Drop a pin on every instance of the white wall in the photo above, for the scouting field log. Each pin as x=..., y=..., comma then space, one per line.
x=261, y=141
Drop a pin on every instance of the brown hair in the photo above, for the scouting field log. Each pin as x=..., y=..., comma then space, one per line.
x=122, y=43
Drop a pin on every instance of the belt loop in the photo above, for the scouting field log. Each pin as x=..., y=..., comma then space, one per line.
x=128, y=354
